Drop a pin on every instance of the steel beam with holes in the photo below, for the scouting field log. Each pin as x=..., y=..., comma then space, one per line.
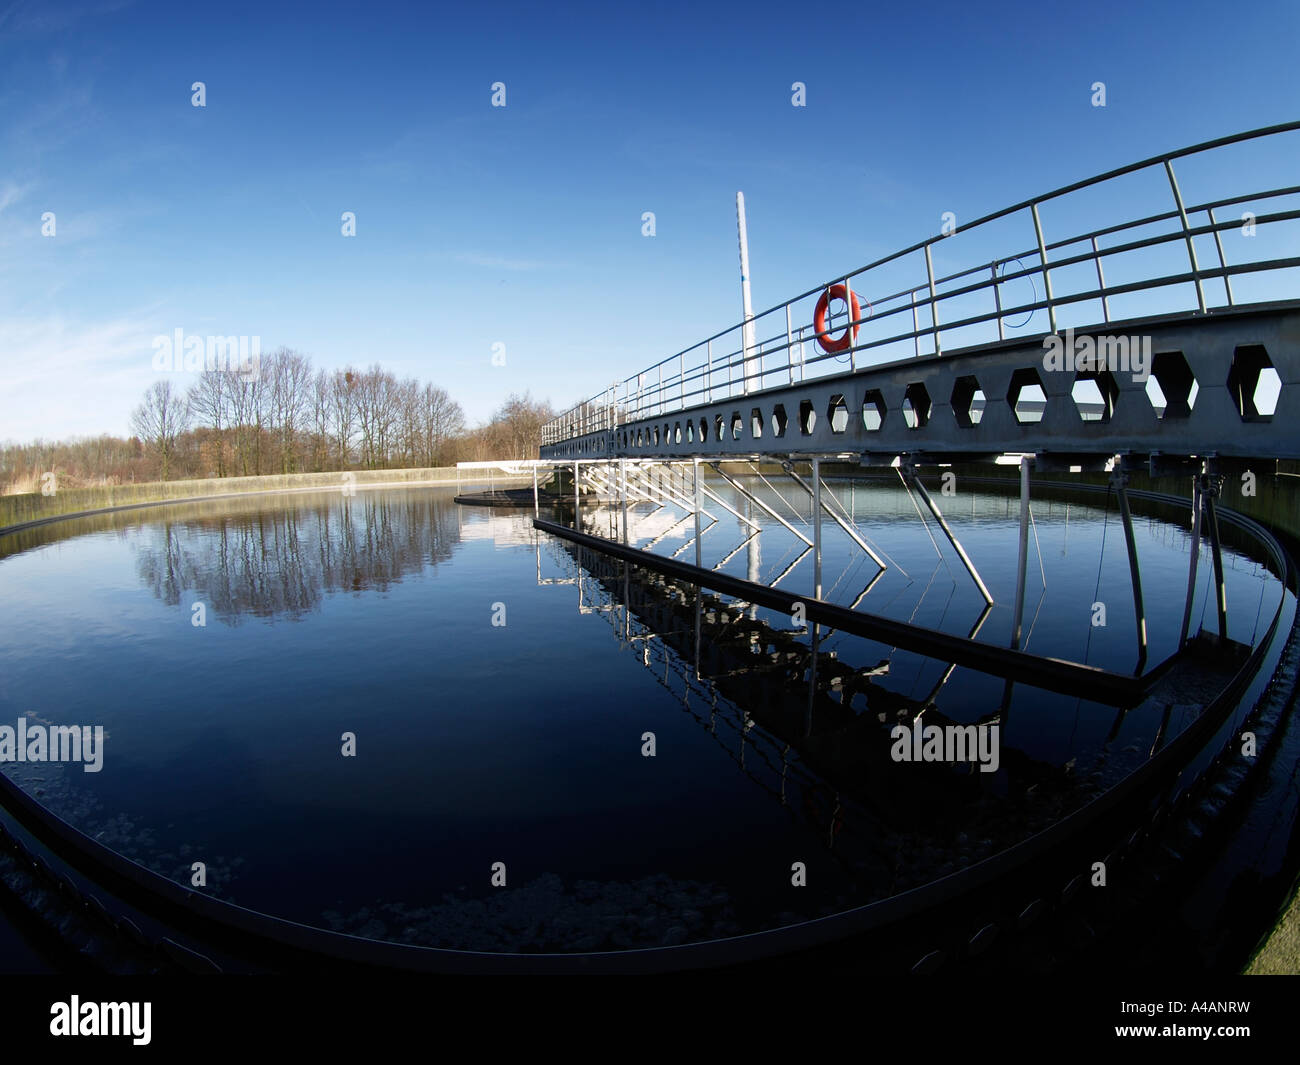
x=1214, y=424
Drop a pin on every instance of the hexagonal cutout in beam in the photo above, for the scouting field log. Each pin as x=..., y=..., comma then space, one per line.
x=779, y=420
x=873, y=410
x=1026, y=397
x=1254, y=383
x=1095, y=394
x=916, y=406
x=837, y=413
x=756, y=424
x=968, y=401
x=1171, y=387
x=807, y=417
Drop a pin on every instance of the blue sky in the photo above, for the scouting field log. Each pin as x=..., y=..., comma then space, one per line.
x=522, y=225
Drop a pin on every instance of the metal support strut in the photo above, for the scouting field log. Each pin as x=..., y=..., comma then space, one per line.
x=1120, y=480
x=913, y=480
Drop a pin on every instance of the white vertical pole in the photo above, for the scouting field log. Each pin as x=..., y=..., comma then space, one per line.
x=747, y=331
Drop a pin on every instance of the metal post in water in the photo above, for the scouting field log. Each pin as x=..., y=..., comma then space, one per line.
x=817, y=526
x=1023, y=559
x=695, y=467
x=1216, y=550
x=537, y=507
x=1196, y=554
x=576, y=504
x=1120, y=480
x=915, y=482
x=622, y=493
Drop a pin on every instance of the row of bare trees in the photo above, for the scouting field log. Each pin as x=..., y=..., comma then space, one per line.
x=290, y=417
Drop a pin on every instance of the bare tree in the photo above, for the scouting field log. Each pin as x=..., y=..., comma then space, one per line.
x=288, y=395
x=160, y=419
x=344, y=394
x=441, y=419
x=209, y=400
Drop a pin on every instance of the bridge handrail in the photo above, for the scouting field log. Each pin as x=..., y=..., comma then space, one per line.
x=750, y=363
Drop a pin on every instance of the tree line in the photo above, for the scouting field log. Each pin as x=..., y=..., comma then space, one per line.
x=289, y=417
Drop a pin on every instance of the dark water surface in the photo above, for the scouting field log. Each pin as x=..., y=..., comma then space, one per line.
x=521, y=743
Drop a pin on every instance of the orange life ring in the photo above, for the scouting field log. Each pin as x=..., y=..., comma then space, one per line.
x=836, y=292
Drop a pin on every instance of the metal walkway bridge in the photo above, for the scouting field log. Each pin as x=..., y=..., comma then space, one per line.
x=1139, y=344
x=1174, y=346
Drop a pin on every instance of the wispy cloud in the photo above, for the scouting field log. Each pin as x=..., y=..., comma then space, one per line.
x=64, y=378
x=36, y=17
x=11, y=193
x=498, y=262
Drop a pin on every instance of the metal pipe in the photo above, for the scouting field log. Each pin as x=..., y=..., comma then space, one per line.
x=576, y=503
x=537, y=507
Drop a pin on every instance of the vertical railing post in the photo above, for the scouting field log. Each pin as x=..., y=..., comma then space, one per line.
x=916, y=328
x=1047, y=274
x=1187, y=236
x=1223, y=263
x=848, y=314
x=1101, y=281
x=934, y=307
x=708, y=373
x=789, y=344
x=997, y=299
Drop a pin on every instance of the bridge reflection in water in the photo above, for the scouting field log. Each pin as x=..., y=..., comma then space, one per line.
x=813, y=731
